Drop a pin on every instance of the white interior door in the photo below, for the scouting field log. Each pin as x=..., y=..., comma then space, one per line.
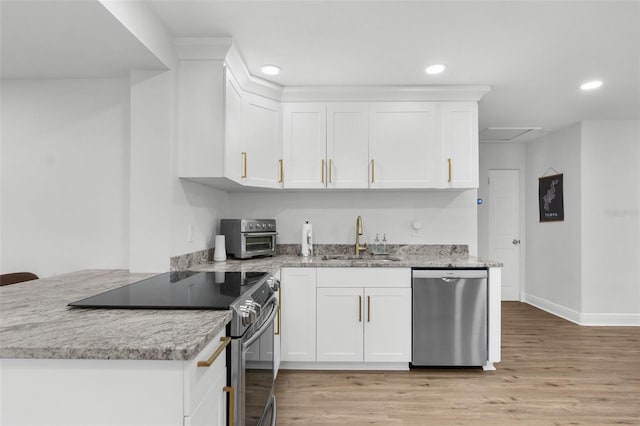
x=504, y=228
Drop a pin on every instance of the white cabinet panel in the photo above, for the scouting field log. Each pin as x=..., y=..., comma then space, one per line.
x=261, y=142
x=305, y=138
x=387, y=331
x=298, y=314
x=459, y=132
x=340, y=318
x=403, y=145
x=201, y=106
x=347, y=145
x=233, y=128
x=364, y=277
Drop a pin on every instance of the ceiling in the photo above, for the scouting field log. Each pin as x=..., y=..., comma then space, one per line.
x=533, y=54
x=67, y=39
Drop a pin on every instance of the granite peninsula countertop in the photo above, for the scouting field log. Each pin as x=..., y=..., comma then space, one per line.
x=35, y=322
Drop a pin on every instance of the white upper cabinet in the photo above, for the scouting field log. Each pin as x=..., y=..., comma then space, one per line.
x=261, y=152
x=459, y=133
x=305, y=138
x=403, y=145
x=233, y=128
x=347, y=145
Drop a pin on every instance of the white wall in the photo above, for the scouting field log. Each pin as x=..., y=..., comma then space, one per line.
x=553, y=260
x=610, y=219
x=65, y=175
x=447, y=217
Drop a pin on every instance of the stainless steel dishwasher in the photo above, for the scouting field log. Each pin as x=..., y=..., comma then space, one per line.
x=449, y=326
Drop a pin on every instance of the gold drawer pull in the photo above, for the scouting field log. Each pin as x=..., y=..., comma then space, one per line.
x=359, y=308
x=322, y=171
x=281, y=172
x=232, y=394
x=244, y=165
x=225, y=342
x=373, y=172
x=368, y=308
x=449, y=161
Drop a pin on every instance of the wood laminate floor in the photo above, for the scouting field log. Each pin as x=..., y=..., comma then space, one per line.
x=553, y=372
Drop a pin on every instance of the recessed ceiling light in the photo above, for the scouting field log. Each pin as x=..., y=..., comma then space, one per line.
x=270, y=69
x=590, y=85
x=435, y=69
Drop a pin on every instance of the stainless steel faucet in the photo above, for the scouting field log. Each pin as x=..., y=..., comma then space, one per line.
x=359, y=247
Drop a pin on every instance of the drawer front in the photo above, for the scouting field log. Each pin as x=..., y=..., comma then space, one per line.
x=198, y=380
x=364, y=277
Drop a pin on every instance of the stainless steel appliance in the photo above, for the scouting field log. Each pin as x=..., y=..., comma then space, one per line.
x=449, y=317
x=252, y=324
x=246, y=238
x=249, y=295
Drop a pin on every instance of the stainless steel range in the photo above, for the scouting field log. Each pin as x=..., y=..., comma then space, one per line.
x=250, y=296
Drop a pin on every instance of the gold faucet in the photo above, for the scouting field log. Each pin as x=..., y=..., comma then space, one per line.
x=359, y=247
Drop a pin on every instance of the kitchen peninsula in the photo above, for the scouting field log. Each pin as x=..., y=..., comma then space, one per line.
x=77, y=363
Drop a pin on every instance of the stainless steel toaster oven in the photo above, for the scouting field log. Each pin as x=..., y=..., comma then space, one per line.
x=247, y=238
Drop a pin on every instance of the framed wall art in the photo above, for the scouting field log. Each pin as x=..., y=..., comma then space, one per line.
x=550, y=198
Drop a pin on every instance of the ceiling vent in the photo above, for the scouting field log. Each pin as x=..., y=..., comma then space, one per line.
x=506, y=134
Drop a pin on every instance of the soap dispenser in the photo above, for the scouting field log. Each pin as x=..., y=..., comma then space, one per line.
x=376, y=245
x=384, y=244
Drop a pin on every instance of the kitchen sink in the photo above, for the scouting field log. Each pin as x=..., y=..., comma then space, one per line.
x=351, y=258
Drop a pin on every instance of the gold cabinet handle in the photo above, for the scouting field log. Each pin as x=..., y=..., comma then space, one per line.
x=281, y=179
x=232, y=395
x=359, y=308
x=449, y=161
x=322, y=167
x=373, y=172
x=244, y=165
x=277, y=333
x=225, y=342
x=368, y=308
x=330, y=167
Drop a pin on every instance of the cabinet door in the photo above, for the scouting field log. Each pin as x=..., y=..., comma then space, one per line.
x=305, y=140
x=233, y=128
x=347, y=145
x=403, y=145
x=261, y=142
x=298, y=310
x=213, y=407
x=459, y=132
x=387, y=326
x=340, y=317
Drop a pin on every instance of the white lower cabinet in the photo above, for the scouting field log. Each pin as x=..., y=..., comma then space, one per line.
x=298, y=314
x=346, y=315
x=340, y=327
x=364, y=324
x=115, y=392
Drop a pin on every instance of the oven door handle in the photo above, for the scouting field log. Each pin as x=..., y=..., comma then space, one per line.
x=269, y=320
x=260, y=234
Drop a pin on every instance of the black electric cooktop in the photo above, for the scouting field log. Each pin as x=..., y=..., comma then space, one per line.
x=178, y=290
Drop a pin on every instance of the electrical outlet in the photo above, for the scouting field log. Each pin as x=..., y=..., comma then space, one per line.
x=189, y=233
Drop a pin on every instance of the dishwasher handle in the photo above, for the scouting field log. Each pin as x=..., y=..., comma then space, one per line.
x=449, y=274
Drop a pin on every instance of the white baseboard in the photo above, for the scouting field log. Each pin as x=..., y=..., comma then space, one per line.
x=553, y=308
x=377, y=366
x=582, y=318
x=610, y=319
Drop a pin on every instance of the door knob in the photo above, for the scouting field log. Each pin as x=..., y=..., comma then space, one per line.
x=515, y=242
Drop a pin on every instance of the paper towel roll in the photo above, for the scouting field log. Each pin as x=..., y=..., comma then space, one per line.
x=220, y=250
x=307, y=239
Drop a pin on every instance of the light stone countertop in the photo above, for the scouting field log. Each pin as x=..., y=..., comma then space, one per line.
x=273, y=264
x=35, y=322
